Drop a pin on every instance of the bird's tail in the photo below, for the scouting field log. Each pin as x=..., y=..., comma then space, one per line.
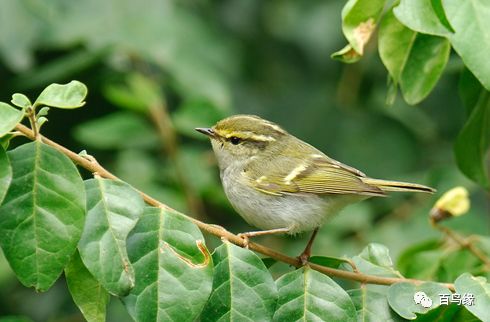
x=387, y=185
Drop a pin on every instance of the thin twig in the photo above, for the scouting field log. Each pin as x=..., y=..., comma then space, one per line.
x=223, y=233
x=464, y=243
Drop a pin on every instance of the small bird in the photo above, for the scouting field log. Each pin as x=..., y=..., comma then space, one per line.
x=281, y=184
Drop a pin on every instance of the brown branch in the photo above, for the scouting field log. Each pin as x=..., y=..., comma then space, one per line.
x=464, y=243
x=94, y=167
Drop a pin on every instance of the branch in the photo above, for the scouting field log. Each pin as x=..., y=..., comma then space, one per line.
x=94, y=167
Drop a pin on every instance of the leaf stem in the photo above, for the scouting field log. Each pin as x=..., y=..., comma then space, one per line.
x=95, y=167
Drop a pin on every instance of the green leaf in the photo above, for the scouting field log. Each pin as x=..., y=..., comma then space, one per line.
x=67, y=96
x=421, y=16
x=471, y=25
x=308, y=295
x=9, y=118
x=371, y=305
x=138, y=93
x=173, y=268
x=401, y=298
x=21, y=100
x=328, y=261
x=441, y=14
x=347, y=55
x=359, y=19
x=422, y=260
x=471, y=157
x=477, y=286
x=41, y=218
x=88, y=294
x=415, y=61
x=113, y=208
x=117, y=130
x=243, y=288
x=5, y=174
x=375, y=260
x=13, y=318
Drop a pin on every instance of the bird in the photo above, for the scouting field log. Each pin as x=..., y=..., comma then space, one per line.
x=281, y=184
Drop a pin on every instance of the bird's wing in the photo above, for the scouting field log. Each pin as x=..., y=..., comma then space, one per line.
x=318, y=174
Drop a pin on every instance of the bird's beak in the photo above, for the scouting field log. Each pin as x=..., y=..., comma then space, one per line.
x=205, y=130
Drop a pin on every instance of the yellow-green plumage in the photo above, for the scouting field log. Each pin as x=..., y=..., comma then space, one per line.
x=275, y=180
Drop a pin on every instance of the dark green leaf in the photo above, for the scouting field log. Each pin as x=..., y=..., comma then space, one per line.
x=371, y=305
x=15, y=319
x=117, y=130
x=480, y=289
x=328, y=261
x=402, y=301
x=41, y=218
x=268, y=262
x=243, y=288
x=308, y=295
x=5, y=174
x=473, y=141
x=88, y=294
x=9, y=118
x=415, y=61
x=20, y=100
x=470, y=89
x=173, y=268
x=113, y=208
x=67, y=96
x=422, y=260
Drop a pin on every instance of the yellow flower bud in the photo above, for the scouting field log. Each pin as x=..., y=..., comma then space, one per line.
x=453, y=203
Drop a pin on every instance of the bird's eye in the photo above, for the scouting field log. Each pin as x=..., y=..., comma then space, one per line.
x=234, y=140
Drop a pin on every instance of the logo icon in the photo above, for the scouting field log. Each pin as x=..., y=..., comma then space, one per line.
x=422, y=299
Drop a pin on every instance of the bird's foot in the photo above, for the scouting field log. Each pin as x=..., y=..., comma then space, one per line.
x=246, y=239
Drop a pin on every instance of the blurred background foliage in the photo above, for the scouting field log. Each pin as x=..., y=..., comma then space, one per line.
x=158, y=68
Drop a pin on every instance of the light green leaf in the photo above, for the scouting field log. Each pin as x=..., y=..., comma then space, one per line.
x=420, y=16
x=243, y=288
x=441, y=14
x=88, y=294
x=67, y=96
x=347, y=55
x=41, y=218
x=359, y=19
x=113, y=208
x=401, y=298
x=480, y=289
x=469, y=19
x=371, y=305
x=415, y=61
x=5, y=174
x=20, y=100
x=117, y=130
x=471, y=157
x=308, y=295
x=173, y=268
x=375, y=260
x=9, y=118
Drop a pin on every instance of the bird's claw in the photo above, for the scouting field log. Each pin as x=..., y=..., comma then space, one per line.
x=245, y=238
